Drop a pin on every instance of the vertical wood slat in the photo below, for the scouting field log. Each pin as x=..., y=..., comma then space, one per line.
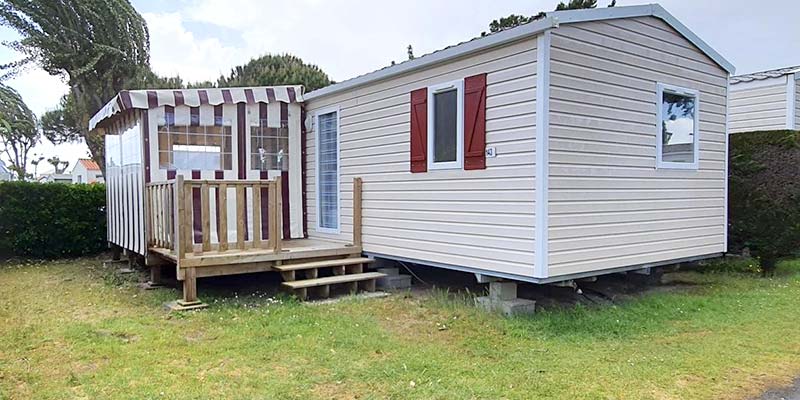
x=158, y=198
x=257, y=215
x=271, y=212
x=205, y=211
x=357, y=184
x=240, y=212
x=188, y=218
x=278, y=215
x=168, y=194
x=180, y=219
x=222, y=228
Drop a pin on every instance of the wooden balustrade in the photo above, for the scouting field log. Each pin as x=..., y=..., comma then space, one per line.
x=195, y=224
x=192, y=216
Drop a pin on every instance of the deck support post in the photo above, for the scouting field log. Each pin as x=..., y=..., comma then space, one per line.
x=189, y=300
x=116, y=252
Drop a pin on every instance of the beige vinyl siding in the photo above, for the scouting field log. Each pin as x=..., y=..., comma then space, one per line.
x=759, y=108
x=797, y=102
x=608, y=205
x=480, y=219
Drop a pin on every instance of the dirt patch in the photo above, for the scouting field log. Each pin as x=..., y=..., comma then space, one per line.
x=791, y=392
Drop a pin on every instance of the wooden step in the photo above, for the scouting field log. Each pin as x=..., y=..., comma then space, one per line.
x=322, y=264
x=332, y=280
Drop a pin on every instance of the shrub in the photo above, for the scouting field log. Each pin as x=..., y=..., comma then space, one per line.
x=52, y=220
x=764, y=195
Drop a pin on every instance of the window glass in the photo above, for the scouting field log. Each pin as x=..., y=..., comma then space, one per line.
x=328, y=170
x=678, y=128
x=445, y=126
x=194, y=147
x=269, y=147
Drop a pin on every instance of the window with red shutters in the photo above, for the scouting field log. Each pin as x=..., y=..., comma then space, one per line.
x=419, y=130
x=475, y=122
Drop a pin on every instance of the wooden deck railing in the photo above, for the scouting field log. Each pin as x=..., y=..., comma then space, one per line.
x=182, y=217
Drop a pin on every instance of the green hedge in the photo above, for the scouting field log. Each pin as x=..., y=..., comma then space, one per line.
x=52, y=220
x=764, y=194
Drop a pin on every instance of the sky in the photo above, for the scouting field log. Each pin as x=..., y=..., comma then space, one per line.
x=202, y=39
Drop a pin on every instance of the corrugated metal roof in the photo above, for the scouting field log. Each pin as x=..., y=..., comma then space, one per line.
x=533, y=28
x=89, y=164
x=760, y=76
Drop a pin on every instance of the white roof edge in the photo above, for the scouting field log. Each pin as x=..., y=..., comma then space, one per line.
x=552, y=20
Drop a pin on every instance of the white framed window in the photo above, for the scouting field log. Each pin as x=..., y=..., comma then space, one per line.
x=678, y=127
x=446, y=125
x=327, y=147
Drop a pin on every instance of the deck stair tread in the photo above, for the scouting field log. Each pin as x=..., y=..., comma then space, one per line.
x=322, y=264
x=332, y=280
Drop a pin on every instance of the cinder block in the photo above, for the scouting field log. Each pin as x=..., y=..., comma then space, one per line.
x=394, y=282
x=389, y=271
x=508, y=308
x=503, y=290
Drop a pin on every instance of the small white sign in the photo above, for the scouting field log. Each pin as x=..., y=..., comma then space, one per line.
x=491, y=152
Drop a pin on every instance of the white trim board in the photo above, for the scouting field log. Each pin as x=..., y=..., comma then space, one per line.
x=328, y=110
x=551, y=20
x=541, y=267
x=791, y=100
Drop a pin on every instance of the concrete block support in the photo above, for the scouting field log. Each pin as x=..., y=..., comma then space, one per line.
x=502, y=298
x=393, y=279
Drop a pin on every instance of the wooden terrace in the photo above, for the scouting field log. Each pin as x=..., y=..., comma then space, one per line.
x=180, y=231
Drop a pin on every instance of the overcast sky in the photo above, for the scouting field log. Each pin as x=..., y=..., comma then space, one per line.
x=199, y=40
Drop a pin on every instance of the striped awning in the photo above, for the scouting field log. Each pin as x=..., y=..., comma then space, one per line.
x=147, y=99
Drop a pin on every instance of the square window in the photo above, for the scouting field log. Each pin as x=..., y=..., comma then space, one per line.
x=677, y=143
x=445, y=125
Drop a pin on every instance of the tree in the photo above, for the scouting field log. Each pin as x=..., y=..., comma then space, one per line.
x=59, y=166
x=97, y=45
x=276, y=70
x=18, y=130
x=516, y=20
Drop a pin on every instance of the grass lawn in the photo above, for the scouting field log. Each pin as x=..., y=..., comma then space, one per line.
x=71, y=330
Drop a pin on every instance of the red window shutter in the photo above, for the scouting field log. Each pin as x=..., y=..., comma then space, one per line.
x=419, y=130
x=475, y=122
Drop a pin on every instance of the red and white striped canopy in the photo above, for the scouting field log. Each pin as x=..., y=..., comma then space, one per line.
x=146, y=99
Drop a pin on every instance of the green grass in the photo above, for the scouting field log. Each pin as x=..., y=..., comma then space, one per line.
x=70, y=330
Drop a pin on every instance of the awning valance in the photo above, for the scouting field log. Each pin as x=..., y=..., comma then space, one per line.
x=147, y=99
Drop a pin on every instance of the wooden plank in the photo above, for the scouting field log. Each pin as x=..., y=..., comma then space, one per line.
x=205, y=211
x=190, y=286
x=278, y=229
x=332, y=280
x=357, y=183
x=240, y=213
x=324, y=263
x=257, y=215
x=180, y=219
x=169, y=207
x=271, y=214
x=259, y=255
x=222, y=228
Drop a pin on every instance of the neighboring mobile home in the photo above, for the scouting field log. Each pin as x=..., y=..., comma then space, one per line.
x=86, y=171
x=764, y=101
x=5, y=174
x=583, y=143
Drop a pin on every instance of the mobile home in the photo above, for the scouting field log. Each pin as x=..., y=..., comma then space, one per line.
x=583, y=143
x=765, y=101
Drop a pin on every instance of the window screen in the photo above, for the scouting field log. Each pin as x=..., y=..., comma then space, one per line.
x=445, y=132
x=194, y=147
x=678, y=127
x=269, y=147
x=328, y=170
